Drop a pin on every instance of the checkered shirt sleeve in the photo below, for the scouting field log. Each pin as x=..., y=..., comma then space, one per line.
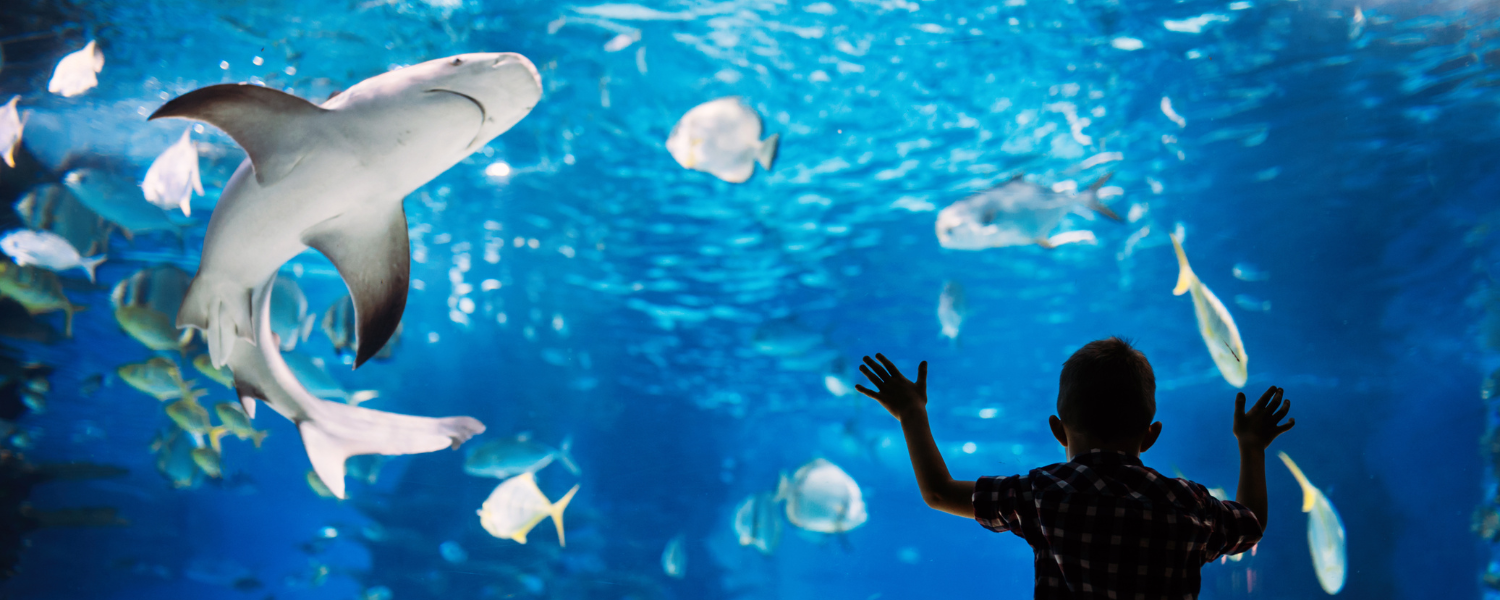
x=995, y=501
x=1235, y=528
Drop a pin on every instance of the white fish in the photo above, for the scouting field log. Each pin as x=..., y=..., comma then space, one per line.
x=1166, y=109
x=46, y=250
x=333, y=176
x=311, y=373
x=757, y=522
x=1357, y=23
x=1214, y=322
x=722, y=137
x=290, y=320
x=118, y=200
x=1016, y=213
x=76, y=73
x=173, y=176
x=11, y=126
x=331, y=432
x=507, y=457
x=1249, y=272
x=1325, y=532
x=952, y=307
x=821, y=497
x=517, y=505
x=674, y=558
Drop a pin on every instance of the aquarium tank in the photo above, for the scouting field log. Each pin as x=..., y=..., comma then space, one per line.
x=470, y=299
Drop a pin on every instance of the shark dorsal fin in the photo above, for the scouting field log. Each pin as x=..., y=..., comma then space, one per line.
x=272, y=126
x=371, y=252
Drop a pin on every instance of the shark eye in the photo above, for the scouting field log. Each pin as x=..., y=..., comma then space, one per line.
x=457, y=61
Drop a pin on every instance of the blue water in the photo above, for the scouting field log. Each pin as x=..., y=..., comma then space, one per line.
x=1345, y=170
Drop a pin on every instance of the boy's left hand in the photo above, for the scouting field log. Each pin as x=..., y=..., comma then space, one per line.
x=899, y=395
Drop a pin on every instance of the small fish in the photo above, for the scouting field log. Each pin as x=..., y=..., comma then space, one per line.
x=505, y=458
x=783, y=338
x=35, y=402
x=118, y=200
x=1325, y=532
x=1357, y=23
x=722, y=137
x=146, y=303
x=205, y=365
x=952, y=307
x=38, y=290
x=207, y=460
x=174, y=458
x=236, y=422
x=1249, y=302
x=77, y=73
x=51, y=207
x=47, y=250
x=1016, y=213
x=11, y=126
x=159, y=378
x=90, y=384
x=452, y=552
x=517, y=505
x=173, y=176
x=1214, y=323
x=674, y=558
x=188, y=414
x=341, y=327
x=1166, y=109
x=289, y=318
x=757, y=522
x=821, y=497
x=310, y=372
x=318, y=486
x=365, y=467
x=1249, y=272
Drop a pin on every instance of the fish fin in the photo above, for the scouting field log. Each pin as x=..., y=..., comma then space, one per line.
x=307, y=327
x=565, y=456
x=222, y=317
x=1045, y=243
x=259, y=436
x=372, y=254
x=91, y=263
x=766, y=154
x=68, y=312
x=10, y=155
x=783, y=489
x=1185, y=276
x=1309, y=493
x=272, y=126
x=214, y=435
x=336, y=431
x=1099, y=183
x=362, y=396
x=557, y=514
x=1093, y=199
x=1081, y=236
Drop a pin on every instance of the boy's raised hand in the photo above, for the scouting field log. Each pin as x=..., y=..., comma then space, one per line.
x=895, y=392
x=1256, y=427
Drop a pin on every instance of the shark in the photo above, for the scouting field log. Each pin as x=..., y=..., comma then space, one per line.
x=331, y=431
x=333, y=176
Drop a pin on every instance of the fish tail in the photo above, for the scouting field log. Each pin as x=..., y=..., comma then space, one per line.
x=783, y=489
x=565, y=456
x=1185, y=276
x=10, y=155
x=766, y=155
x=214, y=435
x=256, y=437
x=1093, y=199
x=70, y=309
x=362, y=396
x=91, y=263
x=1309, y=493
x=557, y=514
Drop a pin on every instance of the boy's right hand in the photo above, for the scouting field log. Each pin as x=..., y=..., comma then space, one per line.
x=899, y=395
x=1256, y=427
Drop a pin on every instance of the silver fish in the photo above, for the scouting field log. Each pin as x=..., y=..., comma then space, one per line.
x=289, y=319
x=674, y=558
x=310, y=372
x=503, y=458
x=757, y=522
x=46, y=250
x=51, y=207
x=821, y=497
x=77, y=72
x=119, y=201
x=146, y=302
x=1214, y=323
x=1325, y=532
x=722, y=137
x=517, y=505
x=11, y=126
x=952, y=308
x=173, y=176
x=341, y=327
x=1016, y=213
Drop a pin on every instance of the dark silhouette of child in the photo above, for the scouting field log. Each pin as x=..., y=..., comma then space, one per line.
x=1102, y=524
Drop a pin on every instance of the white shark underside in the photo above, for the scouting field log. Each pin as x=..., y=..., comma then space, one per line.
x=331, y=431
x=333, y=177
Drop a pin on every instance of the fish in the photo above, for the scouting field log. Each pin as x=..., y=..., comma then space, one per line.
x=674, y=558
x=310, y=373
x=1249, y=272
x=757, y=522
x=783, y=338
x=1214, y=322
x=159, y=378
x=207, y=460
x=236, y=422
x=118, y=200
x=51, y=207
x=174, y=458
x=1325, y=532
x=340, y=327
x=452, y=552
x=289, y=319
x=11, y=126
x=146, y=302
x=366, y=467
x=39, y=291
x=46, y=250
x=821, y=497
x=721, y=137
x=188, y=414
x=173, y=176
x=219, y=374
x=505, y=458
x=1016, y=213
x=333, y=176
x=952, y=307
x=77, y=72
x=517, y=505
x=331, y=432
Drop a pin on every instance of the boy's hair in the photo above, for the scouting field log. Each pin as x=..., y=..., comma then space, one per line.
x=1107, y=390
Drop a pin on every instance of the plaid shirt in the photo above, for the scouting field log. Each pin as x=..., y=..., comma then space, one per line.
x=1105, y=526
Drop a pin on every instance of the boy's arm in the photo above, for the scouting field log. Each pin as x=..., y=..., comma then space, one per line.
x=907, y=401
x=1255, y=429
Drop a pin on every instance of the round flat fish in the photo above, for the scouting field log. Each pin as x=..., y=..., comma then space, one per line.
x=146, y=302
x=517, y=505
x=821, y=497
x=722, y=137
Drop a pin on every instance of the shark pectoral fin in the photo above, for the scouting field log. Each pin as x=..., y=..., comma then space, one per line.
x=373, y=256
x=273, y=127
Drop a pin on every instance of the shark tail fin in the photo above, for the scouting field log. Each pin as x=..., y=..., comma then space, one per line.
x=557, y=514
x=1309, y=493
x=1185, y=276
x=335, y=431
x=565, y=456
x=766, y=155
x=91, y=263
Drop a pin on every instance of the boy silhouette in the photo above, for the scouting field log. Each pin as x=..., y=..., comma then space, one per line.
x=1102, y=525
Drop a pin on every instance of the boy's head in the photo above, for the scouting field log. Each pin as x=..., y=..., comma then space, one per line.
x=1107, y=392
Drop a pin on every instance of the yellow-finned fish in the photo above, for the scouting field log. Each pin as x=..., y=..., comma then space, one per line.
x=146, y=304
x=1325, y=532
x=158, y=377
x=238, y=423
x=517, y=505
x=205, y=365
x=38, y=290
x=1214, y=322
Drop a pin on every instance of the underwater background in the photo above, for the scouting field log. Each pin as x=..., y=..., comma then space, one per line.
x=1330, y=165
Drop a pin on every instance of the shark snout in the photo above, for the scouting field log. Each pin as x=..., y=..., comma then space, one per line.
x=509, y=59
